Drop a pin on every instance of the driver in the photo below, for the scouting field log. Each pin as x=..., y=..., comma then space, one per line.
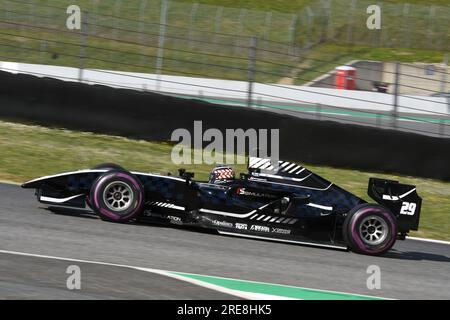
x=221, y=174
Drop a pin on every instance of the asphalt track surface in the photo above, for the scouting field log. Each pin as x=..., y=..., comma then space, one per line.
x=414, y=270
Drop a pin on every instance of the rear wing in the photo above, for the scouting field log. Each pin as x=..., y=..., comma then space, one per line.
x=401, y=199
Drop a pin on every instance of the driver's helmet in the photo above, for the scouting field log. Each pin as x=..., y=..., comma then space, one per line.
x=221, y=174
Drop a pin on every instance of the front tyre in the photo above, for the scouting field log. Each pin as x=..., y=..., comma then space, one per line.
x=370, y=229
x=117, y=196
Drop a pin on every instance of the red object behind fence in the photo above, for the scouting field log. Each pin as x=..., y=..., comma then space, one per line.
x=345, y=78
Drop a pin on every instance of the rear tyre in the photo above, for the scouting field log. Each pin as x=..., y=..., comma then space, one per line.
x=117, y=196
x=370, y=229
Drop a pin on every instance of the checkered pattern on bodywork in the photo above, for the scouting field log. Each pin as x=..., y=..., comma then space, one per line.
x=166, y=187
x=215, y=196
x=82, y=181
x=334, y=196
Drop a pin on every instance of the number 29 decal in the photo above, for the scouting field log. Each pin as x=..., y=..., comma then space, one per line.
x=408, y=208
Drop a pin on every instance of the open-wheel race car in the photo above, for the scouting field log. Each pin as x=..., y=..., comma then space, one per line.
x=286, y=203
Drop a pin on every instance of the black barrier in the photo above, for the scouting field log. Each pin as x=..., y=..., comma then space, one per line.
x=152, y=116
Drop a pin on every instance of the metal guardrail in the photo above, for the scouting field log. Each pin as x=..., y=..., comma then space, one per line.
x=163, y=37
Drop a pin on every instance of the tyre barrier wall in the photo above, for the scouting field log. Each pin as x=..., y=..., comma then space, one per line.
x=151, y=116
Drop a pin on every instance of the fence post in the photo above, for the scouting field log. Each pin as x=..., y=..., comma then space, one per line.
x=430, y=25
x=251, y=69
x=7, y=10
x=31, y=12
x=42, y=50
x=242, y=14
x=22, y=32
x=378, y=120
x=83, y=41
x=310, y=21
x=117, y=24
x=267, y=25
x=385, y=39
x=326, y=16
x=396, y=91
x=318, y=111
x=218, y=22
x=192, y=22
x=117, y=6
x=267, y=28
x=441, y=127
x=406, y=29
x=292, y=30
x=259, y=101
x=161, y=39
x=94, y=17
x=448, y=104
x=444, y=74
x=351, y=22
x=142, y=8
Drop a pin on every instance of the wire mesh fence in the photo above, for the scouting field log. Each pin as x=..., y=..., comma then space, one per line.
x=186, y=35
x=403, y=25
x=189, y=31
x=156, y=38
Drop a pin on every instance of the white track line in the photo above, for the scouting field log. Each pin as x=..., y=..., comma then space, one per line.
x=239, y=294
x=10, y=182
x=306, y=288
x=174, y=275
x=429, y=240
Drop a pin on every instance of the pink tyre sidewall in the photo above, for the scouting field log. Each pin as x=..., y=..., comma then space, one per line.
x=96, y=198
x=355, y=235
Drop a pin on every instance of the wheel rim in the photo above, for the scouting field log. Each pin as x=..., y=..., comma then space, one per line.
x=118, y=196
x=373, y=230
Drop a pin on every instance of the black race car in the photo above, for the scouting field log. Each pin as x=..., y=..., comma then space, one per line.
x=286, y=203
